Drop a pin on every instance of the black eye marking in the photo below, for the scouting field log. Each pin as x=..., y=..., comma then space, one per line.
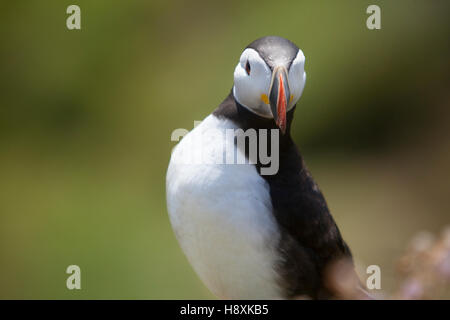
x=247, y=67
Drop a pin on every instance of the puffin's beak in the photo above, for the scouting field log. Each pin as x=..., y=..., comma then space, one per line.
x=279, y=96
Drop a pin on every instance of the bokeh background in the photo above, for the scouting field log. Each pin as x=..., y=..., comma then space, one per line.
x=86, y=118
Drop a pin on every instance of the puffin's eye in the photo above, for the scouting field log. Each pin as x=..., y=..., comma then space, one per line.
x=247, y=67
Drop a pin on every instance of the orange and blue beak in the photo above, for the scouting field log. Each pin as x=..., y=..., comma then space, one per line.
x=279, y=97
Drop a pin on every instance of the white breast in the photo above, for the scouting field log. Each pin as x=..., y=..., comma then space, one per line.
x=221, y=215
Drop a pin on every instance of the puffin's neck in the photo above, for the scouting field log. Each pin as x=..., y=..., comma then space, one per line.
x=246, y=119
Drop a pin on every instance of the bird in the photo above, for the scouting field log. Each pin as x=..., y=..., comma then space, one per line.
x=250, y=235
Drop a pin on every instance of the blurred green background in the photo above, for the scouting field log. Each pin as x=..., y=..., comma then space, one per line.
x=86, y=117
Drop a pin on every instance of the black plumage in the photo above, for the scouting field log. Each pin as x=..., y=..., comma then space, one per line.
x=310, y=238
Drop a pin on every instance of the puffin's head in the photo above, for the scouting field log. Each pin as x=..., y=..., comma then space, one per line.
x=270, y=77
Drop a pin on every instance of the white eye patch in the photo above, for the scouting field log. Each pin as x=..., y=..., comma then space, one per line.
x=248, y=88
x=257, y=64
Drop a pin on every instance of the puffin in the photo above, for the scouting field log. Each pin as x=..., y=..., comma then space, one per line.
x=251, y=233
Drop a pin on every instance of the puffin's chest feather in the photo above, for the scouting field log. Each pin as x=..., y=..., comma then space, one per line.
x=222, y=216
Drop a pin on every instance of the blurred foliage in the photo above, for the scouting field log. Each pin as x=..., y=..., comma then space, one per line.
x=86, y=118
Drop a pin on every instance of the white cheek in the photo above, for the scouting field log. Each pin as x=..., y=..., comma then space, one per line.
x=297, y=78
x=296, y=85
x=249, y=88
x=246, y=89
x=260, y=79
